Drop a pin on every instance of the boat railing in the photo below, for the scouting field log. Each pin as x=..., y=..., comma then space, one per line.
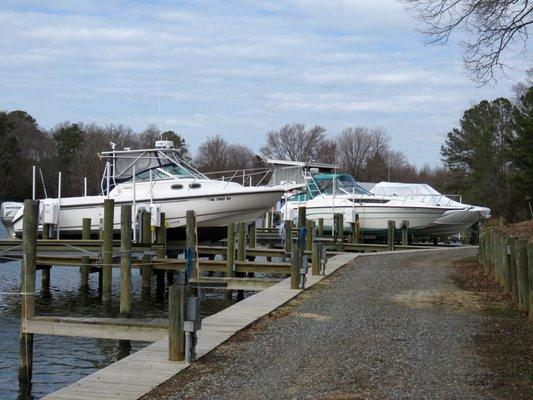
x=426, y=197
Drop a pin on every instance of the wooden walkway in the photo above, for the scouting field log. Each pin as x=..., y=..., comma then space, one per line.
x=139, y=373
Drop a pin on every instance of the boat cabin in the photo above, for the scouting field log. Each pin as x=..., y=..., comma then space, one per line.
x=328, y=184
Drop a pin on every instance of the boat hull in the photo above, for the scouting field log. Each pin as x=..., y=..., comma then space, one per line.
x=211, y=211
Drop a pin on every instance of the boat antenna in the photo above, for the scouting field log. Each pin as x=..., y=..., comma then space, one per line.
x=159, y=106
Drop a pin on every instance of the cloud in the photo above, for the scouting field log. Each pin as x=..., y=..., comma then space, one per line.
x=235, y=68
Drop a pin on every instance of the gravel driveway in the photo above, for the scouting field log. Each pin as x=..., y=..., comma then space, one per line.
x=390, y=327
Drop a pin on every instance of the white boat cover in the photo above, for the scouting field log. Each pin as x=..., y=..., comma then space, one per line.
x=450, y=221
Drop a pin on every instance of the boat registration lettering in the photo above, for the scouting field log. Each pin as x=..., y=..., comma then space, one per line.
x=223, y=198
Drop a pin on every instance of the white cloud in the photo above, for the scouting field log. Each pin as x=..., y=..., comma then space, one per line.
x=234, y=68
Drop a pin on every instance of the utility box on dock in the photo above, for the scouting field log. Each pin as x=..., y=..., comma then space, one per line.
x=49, y=211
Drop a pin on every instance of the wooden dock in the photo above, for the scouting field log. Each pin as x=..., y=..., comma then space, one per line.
x=139, y=373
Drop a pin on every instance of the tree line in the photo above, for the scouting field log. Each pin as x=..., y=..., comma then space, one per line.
x=490, y=154
x=487, y=158
x=73, y=148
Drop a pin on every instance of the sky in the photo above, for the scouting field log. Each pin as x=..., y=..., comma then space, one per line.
x=238, y=68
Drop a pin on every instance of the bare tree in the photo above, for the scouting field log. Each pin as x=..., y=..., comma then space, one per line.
x=494, y=25
x=326, y=151
x=215, y=154
x=356, y=146
x=293, y=142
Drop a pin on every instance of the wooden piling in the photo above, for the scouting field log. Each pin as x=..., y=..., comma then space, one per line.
x=288, y=236
x=338, y=226
x=45, y=278
x=309, y=235
x=512, y=265
x=146, y=269
x=28, y=272
x=107, y=249
x=522, y=281
x=84, y=269
x=506, y=272
x=125, y=260
x=160, y=239
x=391, y=227
x=405, y=232
x=315, y=259
x=230, y=251
x=301, y=217
x=192, y=240
x=251, y=236
x=320, y=231
x=176, y=307
x=530, y=278
x=46, y=232
x=241, y=241
x=268, y=220
x=295, y=264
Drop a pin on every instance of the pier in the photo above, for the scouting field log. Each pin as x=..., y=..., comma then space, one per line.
x=307, y=257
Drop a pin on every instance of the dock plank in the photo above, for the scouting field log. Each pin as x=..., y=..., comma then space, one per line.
x=122, y=379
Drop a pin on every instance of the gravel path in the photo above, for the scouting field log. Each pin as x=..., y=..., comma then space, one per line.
x=390, y=327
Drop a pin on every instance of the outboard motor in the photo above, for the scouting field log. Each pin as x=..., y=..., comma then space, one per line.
x=8, y=210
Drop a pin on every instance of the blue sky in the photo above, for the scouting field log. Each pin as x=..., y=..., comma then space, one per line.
x=238, y=68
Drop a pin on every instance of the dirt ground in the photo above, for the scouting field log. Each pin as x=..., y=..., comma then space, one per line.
x=396, y=327
x=524, y=229
x=506, y=343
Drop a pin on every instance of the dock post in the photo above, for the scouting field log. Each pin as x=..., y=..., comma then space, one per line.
x=315, y=258
x=506, y=272
x=522, y=273
x=160, y=239
x=45, y=277
x=241, y=241
x=191, y=241
x=499, y=258
x=301, y=217
x=405, y=229
x=338, y=231
x=28, y=272
x=309, y=235
x=230, y=251
x=512, y=263
x=107, y=249
x=390, y=235
x=125, y=260
x=146, y=268
x=287, y=230
x=176, y=314
x=84, y=269
x=126, y=237
x=295, y=264
x=45, y=234
x=320, y=232
x=252, y=242
x=251, y=236
x=530, y=278
x=268, y=220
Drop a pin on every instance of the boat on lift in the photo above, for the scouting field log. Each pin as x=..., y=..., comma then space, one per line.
x=329, y=193
x=160, y=181
x=451, y=223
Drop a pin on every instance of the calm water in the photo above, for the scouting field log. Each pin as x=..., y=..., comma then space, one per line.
x=59, y=361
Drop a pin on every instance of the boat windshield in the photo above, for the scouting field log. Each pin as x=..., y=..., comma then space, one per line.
x=169, y=171
x=344, y=184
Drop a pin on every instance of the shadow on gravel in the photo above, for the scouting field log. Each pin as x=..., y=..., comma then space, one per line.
x=507, y=341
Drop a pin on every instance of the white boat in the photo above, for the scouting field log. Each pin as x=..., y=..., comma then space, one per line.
x=158, y=180
x=452, y=222
x=326, y=194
